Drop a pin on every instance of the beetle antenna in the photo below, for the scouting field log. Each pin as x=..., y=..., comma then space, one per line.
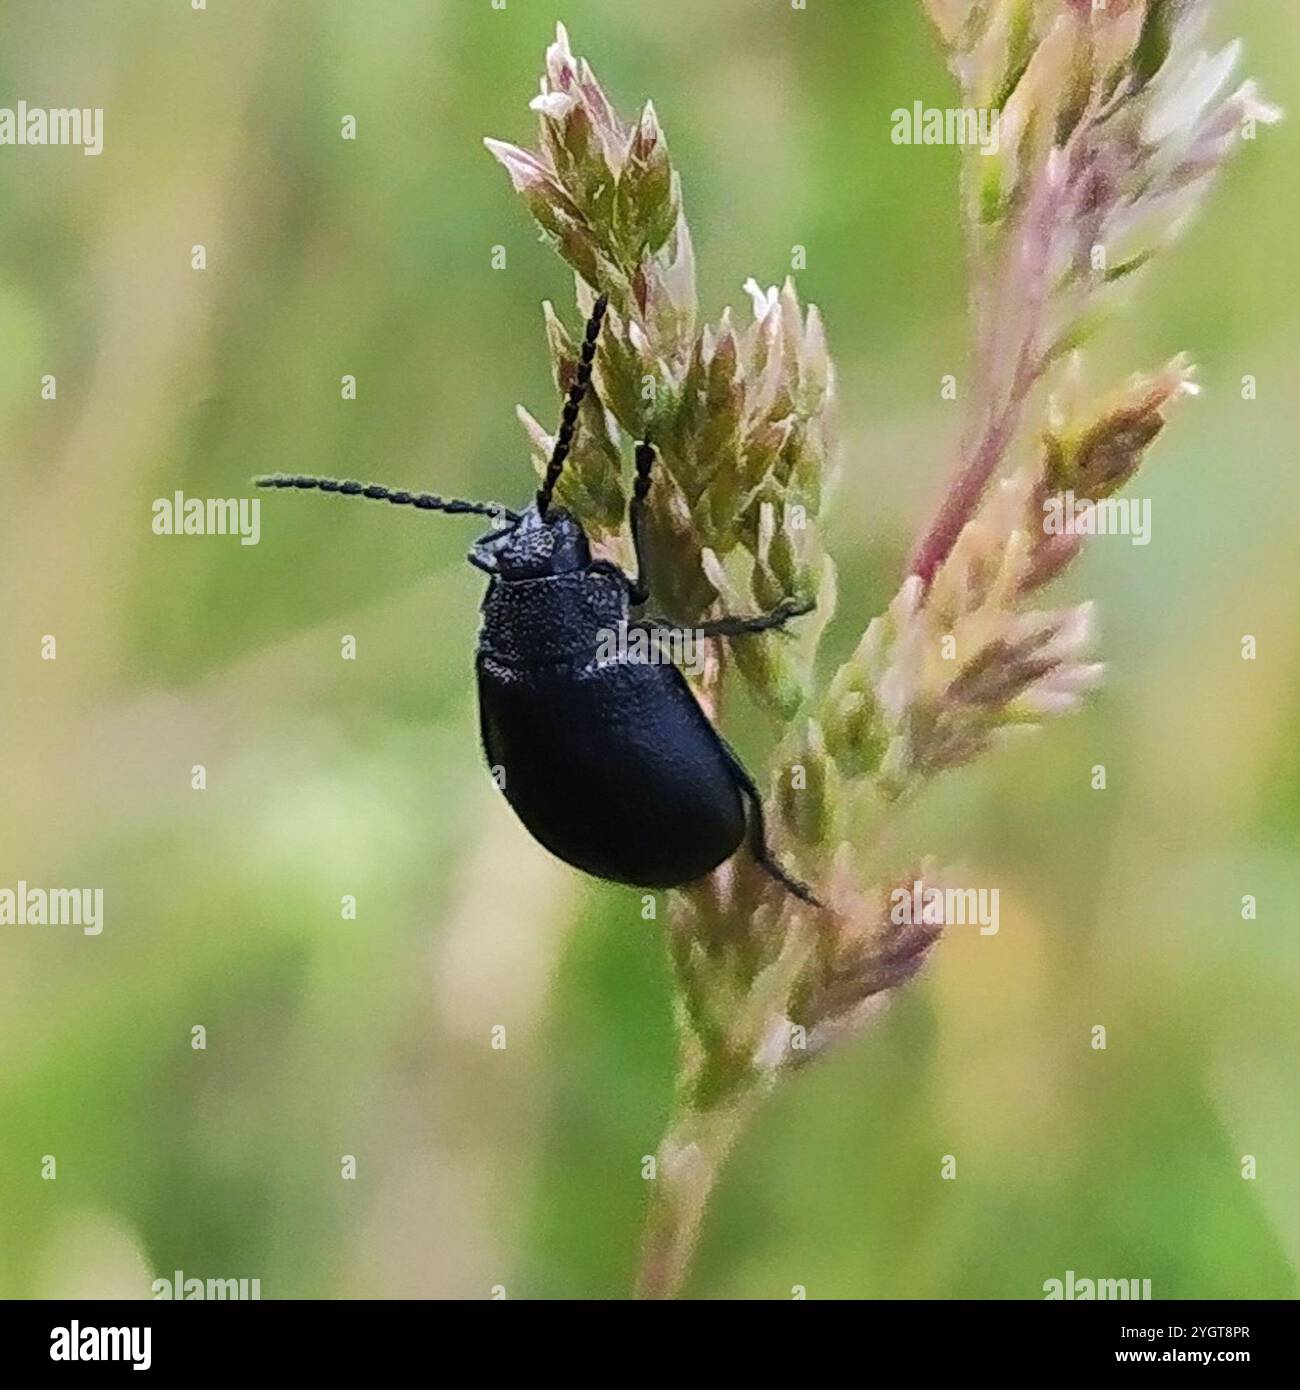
x=425, y=501
x=569, y=416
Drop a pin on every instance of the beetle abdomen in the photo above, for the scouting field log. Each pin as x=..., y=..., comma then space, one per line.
x=613, y=768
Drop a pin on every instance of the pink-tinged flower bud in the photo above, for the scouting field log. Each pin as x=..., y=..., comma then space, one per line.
x=526, y=170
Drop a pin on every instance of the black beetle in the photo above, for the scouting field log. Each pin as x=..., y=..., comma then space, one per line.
x=611, y=764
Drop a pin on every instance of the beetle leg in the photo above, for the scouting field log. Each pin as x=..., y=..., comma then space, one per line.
x=758, y=845
x=762, y=622
x=645, y=458
x=733, y=626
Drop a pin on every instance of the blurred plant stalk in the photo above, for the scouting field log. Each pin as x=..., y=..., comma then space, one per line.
x=1113, y=124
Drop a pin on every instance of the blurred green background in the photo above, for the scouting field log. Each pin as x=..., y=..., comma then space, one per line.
x=325, y=777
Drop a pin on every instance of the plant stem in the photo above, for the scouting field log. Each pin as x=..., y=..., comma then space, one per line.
x=1011, y=361
x=690, y=1159
x=706, y=1122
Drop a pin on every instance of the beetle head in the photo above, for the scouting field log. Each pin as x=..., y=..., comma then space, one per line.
x=533, y=546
